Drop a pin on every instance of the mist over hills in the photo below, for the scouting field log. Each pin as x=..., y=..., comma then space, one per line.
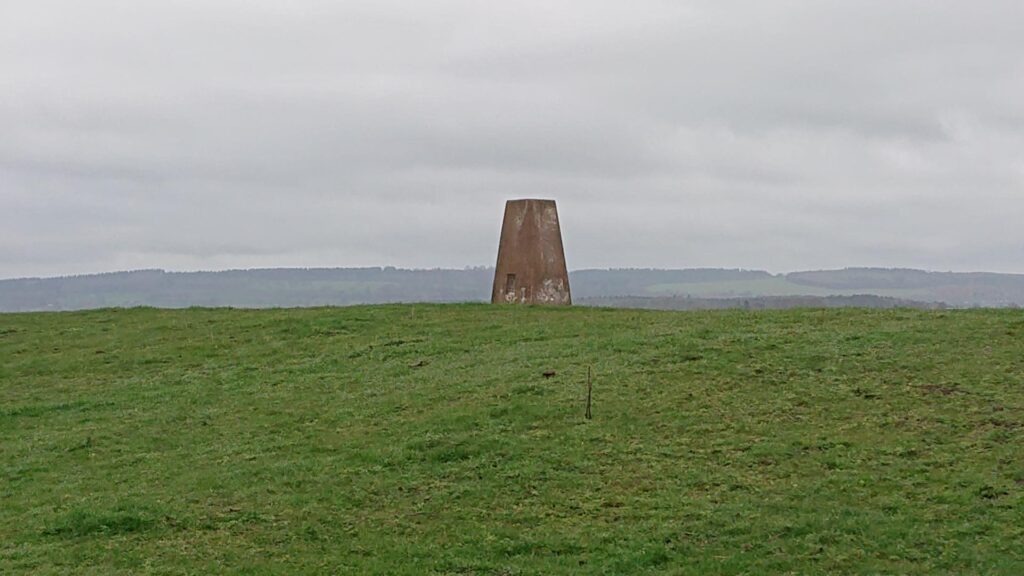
x=648, y=288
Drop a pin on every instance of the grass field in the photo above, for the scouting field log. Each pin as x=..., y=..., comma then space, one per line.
x=425, y=439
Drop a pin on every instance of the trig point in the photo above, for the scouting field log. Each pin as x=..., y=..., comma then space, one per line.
x=531, y=262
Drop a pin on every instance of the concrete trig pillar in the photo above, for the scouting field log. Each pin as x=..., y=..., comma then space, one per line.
x=531, y=262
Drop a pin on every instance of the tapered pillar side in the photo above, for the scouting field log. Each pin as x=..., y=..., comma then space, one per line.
x=531, y=260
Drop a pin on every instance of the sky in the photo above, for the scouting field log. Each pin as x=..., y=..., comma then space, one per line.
x=783, y=135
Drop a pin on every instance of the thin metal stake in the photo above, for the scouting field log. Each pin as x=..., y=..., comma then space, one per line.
x=590, y=390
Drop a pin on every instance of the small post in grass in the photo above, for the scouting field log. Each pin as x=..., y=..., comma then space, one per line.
x=590, y=390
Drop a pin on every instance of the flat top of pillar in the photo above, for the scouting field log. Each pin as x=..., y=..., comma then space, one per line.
x=525, y=200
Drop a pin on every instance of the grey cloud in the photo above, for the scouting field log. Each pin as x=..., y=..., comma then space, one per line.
x=778, y=135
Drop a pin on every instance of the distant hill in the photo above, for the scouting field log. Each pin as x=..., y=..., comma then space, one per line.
x=640, y=281
x=299, y=287
x=954, y=288
x=264, y=288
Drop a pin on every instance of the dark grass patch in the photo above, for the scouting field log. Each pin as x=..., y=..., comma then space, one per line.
x=38, y=410
x=82, y=522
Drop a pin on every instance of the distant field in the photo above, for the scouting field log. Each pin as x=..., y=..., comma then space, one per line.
x=425, y=439
x=777, y=286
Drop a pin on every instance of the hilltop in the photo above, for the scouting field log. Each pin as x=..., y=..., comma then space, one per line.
x=426, y=439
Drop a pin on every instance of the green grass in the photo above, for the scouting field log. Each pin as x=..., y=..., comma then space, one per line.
x=424, y=439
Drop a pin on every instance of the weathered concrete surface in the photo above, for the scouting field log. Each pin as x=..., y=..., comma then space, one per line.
x=531, y=262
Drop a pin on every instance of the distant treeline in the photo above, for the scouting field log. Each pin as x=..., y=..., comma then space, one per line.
x=881, y=278
x=292, y=287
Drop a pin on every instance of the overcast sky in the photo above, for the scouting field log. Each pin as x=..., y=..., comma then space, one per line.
x=778, y=135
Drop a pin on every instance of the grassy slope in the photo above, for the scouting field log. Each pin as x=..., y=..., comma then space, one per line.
x=304, y=440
